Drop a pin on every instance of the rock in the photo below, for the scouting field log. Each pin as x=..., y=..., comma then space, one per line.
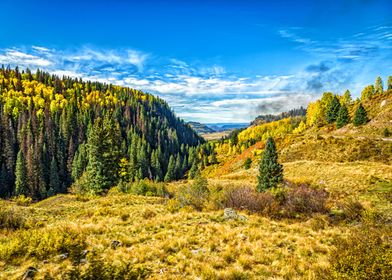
x=30, y=273
x=197, y=251
x=84, y=253
x=230, y=213
x=383, y=103
x=242, y=236
x=115, y=244
x=63, y=256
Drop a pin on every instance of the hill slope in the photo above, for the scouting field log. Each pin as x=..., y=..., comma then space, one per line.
x=46, y=122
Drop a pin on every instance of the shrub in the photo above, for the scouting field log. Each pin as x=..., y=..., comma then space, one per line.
x=42, y=244
x=247, y=198
x=194, y=194
x=302, y=200
x=366, y=254
x=386, y=132
x=148, y=188
x=11, y=219
x=247, y=163
x=99, y=268
x=22, y=200
x=349, y=210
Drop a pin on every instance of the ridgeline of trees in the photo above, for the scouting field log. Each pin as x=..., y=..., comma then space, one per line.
x=261, y=119
x=55, y=131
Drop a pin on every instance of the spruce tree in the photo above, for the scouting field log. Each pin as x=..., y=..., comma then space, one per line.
x=333, y=110
x=194, y=171
x=360, y=116
x=171, y=169
x=343, y=117
x=20, y=175
x=270, y=170
x=54, y=182
x=378, y=87
x=389, y=85
x=247, y=163
x=346, y=98
x=103, y=150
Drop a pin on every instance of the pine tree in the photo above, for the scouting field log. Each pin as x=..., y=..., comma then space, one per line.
x=171, y=170
x=54, y=182
x=360, y=116
x=389, y=85
x=379, y=88
x=346, y=98
x=194, y=171
x=333, y=110
x=20, y=175
x=343, y=117
x=103, y=150
x=270, y=170
x=247, y=163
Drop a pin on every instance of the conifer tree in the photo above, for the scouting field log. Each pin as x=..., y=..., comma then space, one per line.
x=389, y=85
x=194, y=171
x=360, y=116
x=20, y=175
x=270, y=170
x=378, y=87
x=54, y=182
x=247, y=163
x=171, y=170
x=333, y=110
x=346, y=98
x=343, y=117
x=103, y=150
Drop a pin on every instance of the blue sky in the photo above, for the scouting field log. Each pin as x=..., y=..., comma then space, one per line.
x=213, y=61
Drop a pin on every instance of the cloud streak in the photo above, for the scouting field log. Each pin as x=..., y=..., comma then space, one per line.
x=210, y=93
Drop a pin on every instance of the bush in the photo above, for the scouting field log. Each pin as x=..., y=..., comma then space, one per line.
x=303, y=200
x=99, y=268
x=22, y=200
x=194, y=194
x=42, y=244
x=247, y=198
x=349, y=210
x=148, y=188
x=11, y=219
x=366, y=254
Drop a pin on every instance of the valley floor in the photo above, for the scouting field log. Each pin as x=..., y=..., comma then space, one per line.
x=144, y=236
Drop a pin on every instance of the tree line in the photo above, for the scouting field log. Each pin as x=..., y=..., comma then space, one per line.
x=55, y=131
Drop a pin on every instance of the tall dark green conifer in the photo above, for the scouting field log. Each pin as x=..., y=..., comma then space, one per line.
x=360, y=116
x=343, y=117
x=270, y=170
x=20, y=176
x=171, y=169
x=103, y=150
x=54, y=182
x=333, y=110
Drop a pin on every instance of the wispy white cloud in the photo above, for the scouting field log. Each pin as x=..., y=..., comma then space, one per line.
x=210, y=93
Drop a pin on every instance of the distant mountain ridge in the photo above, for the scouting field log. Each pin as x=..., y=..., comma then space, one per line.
x=202, y=128
x=261, y=119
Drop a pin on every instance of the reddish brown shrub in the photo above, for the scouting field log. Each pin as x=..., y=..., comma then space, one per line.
x=303, y=200
x=247, y=198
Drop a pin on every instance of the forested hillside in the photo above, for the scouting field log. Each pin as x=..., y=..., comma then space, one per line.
x=55, y=130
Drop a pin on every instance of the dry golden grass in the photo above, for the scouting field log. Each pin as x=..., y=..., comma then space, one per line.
x=171, y=245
